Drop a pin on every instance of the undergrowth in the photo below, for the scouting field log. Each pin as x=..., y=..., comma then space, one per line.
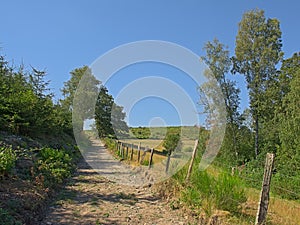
x=208, y=192
x=7, y=160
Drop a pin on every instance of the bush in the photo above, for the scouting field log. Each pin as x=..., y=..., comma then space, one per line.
x=145, y=162
x=7, y=160
x=55, y=165
x=7, y=219
x=110, y=143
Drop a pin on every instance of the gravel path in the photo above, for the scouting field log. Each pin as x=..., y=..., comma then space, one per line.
x=110, y=194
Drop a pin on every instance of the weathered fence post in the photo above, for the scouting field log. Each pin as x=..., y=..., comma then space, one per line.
x=119, y=148
x=122, y=150
x=116, y=145
x=139, y=152
x=144, y=155
x=131, y=154
x=264, y=195
x=168, y=162
x=151, y=157
x=126, y=151
x=192, y=161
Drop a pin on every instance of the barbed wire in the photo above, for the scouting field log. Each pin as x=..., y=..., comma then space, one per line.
x=287, y=190
x=286, y=176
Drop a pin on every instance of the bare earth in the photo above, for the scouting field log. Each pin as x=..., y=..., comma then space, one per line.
x=92, y=197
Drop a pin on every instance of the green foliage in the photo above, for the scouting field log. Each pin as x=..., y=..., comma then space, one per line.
x=141, y=132
x=109, y=117
x=223, y=192
x=289, y=116
x=145, y=162
x=7, y=160
x=172, y=142
x=257, y=53
x=291, y=181
x=229, y=193
x=7, y=219
x=55, y=165
x=26, y=105
x=218, y=60
x=110, y=143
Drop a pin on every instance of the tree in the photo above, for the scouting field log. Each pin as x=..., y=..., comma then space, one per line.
x=141, y=132
x=80, y=98
x=288, y=115
x=172, y=142
x=218, y=60
x=103, y=110
x=117, y=119
x=257, y=53
x=109, y=117
x=38, y=83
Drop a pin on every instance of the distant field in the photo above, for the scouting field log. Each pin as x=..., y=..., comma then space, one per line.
x=186, y=132
x=157, y=144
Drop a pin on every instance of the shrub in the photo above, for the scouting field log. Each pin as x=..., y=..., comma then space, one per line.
x=110, y=143
x=7, y=219
x=7, y=160
x=55, y=165
x=145, y=162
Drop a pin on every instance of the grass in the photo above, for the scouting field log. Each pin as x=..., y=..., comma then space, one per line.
x=203, y=194
x=281, y=211
x=217, y=190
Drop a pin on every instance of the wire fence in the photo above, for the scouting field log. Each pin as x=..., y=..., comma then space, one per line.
x=278, y=192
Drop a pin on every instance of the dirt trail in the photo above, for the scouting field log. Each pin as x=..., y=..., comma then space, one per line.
x=91, y=198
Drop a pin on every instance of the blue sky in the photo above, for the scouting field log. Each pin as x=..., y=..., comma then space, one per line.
x=59, y=36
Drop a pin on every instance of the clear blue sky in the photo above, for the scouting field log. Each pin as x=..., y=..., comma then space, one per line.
x=60, y=36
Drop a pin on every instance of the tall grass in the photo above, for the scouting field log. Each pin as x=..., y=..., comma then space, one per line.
x=209, y=192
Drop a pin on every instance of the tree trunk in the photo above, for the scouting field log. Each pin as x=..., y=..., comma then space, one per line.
x=256, y=136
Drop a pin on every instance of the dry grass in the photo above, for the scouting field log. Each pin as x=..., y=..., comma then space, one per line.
x=151, y=143
x=155, y=159
x=281, y=211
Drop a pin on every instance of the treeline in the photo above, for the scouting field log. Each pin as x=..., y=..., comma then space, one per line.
x=26, y=104
x=272, y=121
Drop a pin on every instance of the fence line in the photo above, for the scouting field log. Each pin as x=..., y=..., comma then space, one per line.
x=127, y=150
x=143, y=148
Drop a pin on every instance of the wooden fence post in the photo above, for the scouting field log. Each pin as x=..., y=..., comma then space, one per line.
x=131, y=154
x=168, y=162
x=115, y=145
x=192, y=161
x=139, y=152
x=264, y=195
x=126, y=151
x=119, y=148
x=144, y=155
x=151, y=157
x=122, y=150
